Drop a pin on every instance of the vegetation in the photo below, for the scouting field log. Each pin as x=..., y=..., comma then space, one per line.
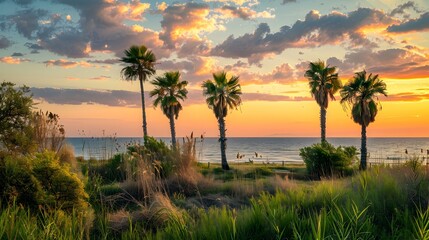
x=382, y=203
x=140, y=65
x=361, y=94
x=40, y=180
x=48, y=132
x=324, y=83
x=15, y=118
x=324, y=160
x=168, y=91
x=222, y=94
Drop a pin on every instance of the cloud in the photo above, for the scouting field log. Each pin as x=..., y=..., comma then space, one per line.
x=402, y=71
x=71, y=43
x=405, y=97
x=162, y=6
x=186, y=21
x=272, y=98
x=33, y=47
x=13, y=60
x=315, y=30
x=17, y=54
x=27, y=21
x=237, y=2
x=244, y=13
x=4, y=42
x=418, y=24
x=66, y=63
x=401, y=9
x=121, y=98
x=136, y=10
x=288, y=1
x=101, y=78
x=391, y=63
x=173, y=65
x=106, y=61
x=23, y=2
x=115, y=98
x=194, y=68
x=102, y=27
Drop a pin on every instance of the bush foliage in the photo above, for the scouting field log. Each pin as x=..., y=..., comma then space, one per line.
x=324, y=160
x=41, y=180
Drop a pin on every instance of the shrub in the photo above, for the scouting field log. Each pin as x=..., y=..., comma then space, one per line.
x=18, y=182
x=414, y=163
x=326, y=160
x=66, y=156
x=62, y=187
x=110, y=171
x=40, y=180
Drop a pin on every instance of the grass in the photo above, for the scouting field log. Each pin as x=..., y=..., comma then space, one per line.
x=247, y=202
x=371, y=205
x=17, y=222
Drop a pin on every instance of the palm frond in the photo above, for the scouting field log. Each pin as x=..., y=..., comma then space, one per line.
x=168, y=91
x=361, y=93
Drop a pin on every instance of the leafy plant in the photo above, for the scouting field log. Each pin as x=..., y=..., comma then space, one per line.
x=41, y=180
x=15, y=118
x=324, y=160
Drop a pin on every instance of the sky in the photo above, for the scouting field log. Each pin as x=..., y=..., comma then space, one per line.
x=68, y=52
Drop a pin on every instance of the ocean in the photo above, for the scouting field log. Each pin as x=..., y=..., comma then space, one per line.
x=261, y=149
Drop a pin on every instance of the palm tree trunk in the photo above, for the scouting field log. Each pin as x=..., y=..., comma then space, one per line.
x=173, y=130
x=323, y=124
x=363, y=151
x=222, y=141
x=143, y=109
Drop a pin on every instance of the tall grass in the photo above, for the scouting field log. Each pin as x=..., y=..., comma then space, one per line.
x=17, y=222
x=381, y=203
x=376, y=204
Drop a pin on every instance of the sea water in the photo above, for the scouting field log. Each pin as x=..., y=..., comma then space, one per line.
x=259, y=149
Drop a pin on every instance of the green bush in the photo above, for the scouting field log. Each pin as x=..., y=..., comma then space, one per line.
x=41, y=180
x=110, y=171
x=326, y=160
x=154, y=150
x=18, y=182
x=62, y=187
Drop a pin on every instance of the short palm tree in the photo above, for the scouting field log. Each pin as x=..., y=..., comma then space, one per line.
x=140, y=65
x=361, y=95
x=324, y=83
x=222, y=94
x=169, y=90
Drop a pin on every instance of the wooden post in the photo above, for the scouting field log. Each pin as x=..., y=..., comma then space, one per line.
x=208, y=164
x=283, y=163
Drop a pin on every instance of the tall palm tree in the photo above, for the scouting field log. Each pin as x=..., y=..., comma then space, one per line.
x=222, y=94
x=140, y=65
x=361, y=95
x=168, y=91
x=324, y=83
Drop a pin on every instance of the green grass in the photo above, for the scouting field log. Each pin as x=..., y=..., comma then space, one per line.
x=381, y=203
x=17, y=222
x=377, y=204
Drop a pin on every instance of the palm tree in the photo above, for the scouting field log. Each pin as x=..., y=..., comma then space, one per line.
x=361, y=94
x=222, y=94
x=140, y=65
x=324, y=83
x=168, y=91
